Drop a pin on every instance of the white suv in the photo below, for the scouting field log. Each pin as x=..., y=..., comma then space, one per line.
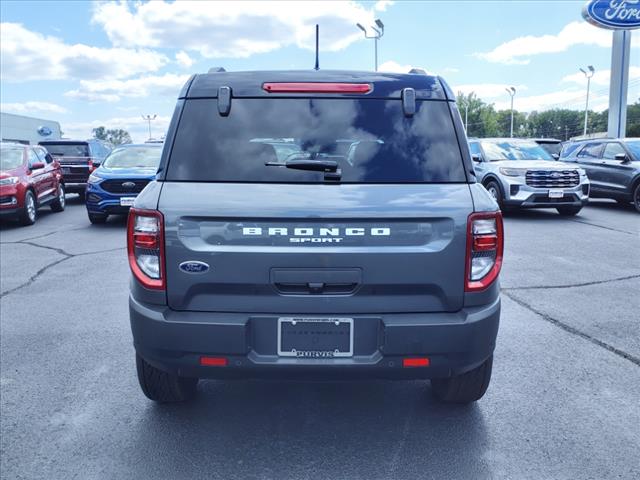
x=520, y=173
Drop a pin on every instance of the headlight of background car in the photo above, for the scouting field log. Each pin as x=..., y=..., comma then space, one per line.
x=513, y=172
x=9, y=181
x=93, y=178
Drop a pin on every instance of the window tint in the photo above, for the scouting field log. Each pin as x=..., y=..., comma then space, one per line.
x=634, y=146
x=611, y=150
x=590, y=150
x=371, y=140
x=475, y=148
x=42, y=155
x=32, y=157
x=67, y=149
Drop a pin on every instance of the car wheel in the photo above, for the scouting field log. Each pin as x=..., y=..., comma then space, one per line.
x=568, y=211
x=636, y=197
x=494, y=190
x=30, y=210
x=465, y=388
x=97, y=218
x=60, y=202
x=164, y=387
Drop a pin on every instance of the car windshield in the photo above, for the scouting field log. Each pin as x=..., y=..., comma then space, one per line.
x=67, y=149
x=364, y=141
x=507, y=150
x=134, y=157
x=635, y=148
x=10, y=158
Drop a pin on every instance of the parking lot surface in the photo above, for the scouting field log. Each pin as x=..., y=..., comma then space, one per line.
x=563, y=402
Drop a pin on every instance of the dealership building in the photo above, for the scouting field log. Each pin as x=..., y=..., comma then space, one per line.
x=27, y=130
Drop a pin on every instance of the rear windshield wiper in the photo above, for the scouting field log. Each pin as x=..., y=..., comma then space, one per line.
x=329, y=167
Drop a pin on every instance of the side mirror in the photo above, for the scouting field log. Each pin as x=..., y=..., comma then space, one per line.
x=37, y=166
x=622, y=157
x=476, y=158
x=555, y=156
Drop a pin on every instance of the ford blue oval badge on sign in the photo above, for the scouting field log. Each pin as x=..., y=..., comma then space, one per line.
x=44, y=131
x=613, y=14
x=194, y=266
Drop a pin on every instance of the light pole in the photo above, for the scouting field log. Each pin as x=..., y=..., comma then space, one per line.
x=588, y=74
x=466, y=116
x=378, y=35
x=149, y=118
x=511, y=91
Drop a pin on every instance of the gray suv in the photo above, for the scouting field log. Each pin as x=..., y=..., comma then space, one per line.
x=315, y=224
x=519, y=173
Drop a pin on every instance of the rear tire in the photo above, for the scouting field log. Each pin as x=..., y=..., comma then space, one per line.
x=59, y=203
x=29, y=212
x=636, y=197
x=568, y=211
x=164, y=387
x=466, y=388
x=98, y=218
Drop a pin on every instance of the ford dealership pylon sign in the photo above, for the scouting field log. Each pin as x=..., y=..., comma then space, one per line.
x=613, y=14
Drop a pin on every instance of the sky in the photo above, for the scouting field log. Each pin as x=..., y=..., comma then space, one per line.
x=87, y=64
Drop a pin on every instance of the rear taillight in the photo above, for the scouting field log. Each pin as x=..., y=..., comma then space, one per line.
x=92, y=167
x=485, y=242
x=145, y=245
x=315, y=87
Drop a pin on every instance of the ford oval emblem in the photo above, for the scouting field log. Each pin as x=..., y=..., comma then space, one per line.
x=193, y=266
x=613, y=14
x=44, y=131
x=129, y=185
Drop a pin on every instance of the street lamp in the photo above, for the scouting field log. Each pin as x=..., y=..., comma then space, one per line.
x=588, y=75
x=149, y=118
x=466, y=115
x=378, y=35
x=511, y=91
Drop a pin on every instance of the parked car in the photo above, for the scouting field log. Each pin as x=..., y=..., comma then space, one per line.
x=29, y=179
x=553, y=146
x=113, y=187
x=78, y=158
x=379, y=258
x=612, y=165
x=519, y=173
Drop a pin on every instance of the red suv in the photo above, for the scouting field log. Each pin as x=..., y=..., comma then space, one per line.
x=29, y=179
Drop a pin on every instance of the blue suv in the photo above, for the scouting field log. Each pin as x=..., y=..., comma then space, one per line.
x=113, y=187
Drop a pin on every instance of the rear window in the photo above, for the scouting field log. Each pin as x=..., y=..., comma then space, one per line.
x=371, y=140
x=67, y=149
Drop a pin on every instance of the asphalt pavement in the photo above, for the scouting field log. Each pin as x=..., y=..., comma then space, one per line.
x=564, y=401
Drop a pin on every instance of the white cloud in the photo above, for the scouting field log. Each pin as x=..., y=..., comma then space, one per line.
x=395, y=67
x=232, y=29
x=519, y=50
x=183, y=59
x=487, y=90
x=27, y=55
x=113, y=90
x=600, y=77
x=135, y=125
x=30, y=107
x=382, y=5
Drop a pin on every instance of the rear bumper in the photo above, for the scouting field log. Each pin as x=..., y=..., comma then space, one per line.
x=75, y=187
x=174, y=341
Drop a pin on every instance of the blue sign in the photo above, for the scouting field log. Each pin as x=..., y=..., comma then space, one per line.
x=613, y=14
x=44, y=131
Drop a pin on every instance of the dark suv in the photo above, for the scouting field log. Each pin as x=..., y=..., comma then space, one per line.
x=612, y=165
x=315, y=224
x=78, y=158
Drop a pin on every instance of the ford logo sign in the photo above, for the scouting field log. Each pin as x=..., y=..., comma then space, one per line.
x=193, y=266
x=44, y=131
x=613, y=14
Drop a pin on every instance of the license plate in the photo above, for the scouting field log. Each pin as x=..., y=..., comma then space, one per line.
x=556, y=193
x=66, y=170
x=127, y=201
x=315, y=337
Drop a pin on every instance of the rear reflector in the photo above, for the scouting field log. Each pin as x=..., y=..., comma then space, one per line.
x=213, y=361
x=415, y=362
x=314, y=87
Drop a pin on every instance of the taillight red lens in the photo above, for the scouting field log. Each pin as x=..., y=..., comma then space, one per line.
x=145, y=246
x=485, y=244
x=316, y=87
x=92, y=167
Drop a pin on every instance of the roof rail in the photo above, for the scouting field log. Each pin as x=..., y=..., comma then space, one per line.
x=419, y=71
x=216, y=70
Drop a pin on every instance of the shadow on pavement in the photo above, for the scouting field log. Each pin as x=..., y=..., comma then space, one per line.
x=273, y=429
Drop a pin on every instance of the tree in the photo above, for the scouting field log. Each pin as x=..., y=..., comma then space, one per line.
x=115, y=136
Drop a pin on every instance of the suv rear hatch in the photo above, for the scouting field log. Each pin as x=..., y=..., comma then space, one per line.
x=73, y=157
x=382, y=229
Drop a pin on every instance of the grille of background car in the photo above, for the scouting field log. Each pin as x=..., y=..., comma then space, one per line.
x=117, y=186
x=552, y=178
